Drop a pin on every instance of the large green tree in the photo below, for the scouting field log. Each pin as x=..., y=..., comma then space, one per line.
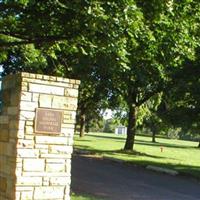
x=181, y=103
x=166, y=36
x=76, y=40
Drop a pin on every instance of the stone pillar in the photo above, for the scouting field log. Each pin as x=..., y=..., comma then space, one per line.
x=35, y=154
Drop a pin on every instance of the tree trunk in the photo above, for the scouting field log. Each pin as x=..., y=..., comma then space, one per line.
x=87, y=126
x=153, y=134
x=76, y=124
x=82, y=125
x=199, y=145
x=130, y=139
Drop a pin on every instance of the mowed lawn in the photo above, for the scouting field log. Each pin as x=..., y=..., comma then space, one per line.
x=183, y=156
x=83, y=197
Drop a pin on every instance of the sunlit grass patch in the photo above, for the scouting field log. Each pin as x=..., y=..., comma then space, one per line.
x=83, y=197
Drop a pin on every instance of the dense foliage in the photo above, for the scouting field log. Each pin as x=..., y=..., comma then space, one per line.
x=125, y=52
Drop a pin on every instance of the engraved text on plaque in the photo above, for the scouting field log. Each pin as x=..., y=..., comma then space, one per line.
x=48, y=121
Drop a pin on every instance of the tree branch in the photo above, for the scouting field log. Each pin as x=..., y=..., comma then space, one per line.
x=147, y=97
x=39, y=40
x=13, y=6
x=15, y=35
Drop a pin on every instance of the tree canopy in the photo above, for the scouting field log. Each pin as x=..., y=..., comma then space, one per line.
x=166, y=37
x=181, y=103
x=124, y=51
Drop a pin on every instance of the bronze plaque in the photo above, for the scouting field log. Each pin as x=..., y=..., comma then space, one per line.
x=48, y=121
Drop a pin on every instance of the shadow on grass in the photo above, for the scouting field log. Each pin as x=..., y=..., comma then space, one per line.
x=80, y=139
x=89, y=150
x=149, y=143
x=163, y=144
x=108, y=137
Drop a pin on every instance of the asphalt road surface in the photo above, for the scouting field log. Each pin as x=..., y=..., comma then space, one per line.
x=115, y=181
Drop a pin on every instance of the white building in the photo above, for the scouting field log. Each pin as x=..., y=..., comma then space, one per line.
x=120, y=130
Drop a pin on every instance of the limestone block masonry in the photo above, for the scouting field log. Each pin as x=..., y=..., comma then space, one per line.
x=36, y=166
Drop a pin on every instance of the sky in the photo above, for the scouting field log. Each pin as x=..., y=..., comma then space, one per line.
x=107, y=114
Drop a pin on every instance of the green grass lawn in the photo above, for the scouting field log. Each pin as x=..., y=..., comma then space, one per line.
x=183, y=156
x=83, y=197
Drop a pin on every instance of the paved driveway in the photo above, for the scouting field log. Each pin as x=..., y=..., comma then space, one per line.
x=116, y=181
